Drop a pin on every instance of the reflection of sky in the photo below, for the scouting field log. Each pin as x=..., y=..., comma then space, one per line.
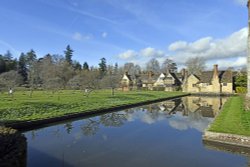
x=177, y=121
x=183, y=123
x=137, y=137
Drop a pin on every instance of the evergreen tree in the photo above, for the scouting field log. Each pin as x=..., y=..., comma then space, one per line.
x=8, y=56
x=2, y=64
x=30, y=58
x=85, y=66
x=22, y=69
x=169, y=66
x=77, y=65
x=116, y=68
x=68, y=54
x=103, y=67
x=9, y=63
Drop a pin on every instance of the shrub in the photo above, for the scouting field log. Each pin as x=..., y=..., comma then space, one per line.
x=241, y=90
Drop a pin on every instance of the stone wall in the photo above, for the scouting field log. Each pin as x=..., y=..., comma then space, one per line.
x=228, y=88
x=13, y=148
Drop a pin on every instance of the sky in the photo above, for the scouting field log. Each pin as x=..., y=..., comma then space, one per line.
x=128, y=30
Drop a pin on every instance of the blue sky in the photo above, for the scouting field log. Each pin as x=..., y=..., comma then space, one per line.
x=127, y=30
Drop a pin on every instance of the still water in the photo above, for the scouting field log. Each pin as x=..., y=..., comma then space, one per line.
x=168, y=133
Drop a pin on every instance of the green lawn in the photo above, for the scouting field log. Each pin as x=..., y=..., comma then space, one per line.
x=233, y=118
x=47, y=105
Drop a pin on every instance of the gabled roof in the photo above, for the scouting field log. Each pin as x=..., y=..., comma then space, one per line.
x=227, y=76
x=207, y=76
x=175, y=77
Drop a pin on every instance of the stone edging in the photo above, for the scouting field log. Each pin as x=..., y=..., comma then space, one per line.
x=30, y=125
x=229, y=139
x=13, y=148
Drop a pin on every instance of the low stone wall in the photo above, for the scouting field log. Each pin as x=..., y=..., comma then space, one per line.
x=247, y=103
x=229, y=139
x=212, y=94
x=12, y=148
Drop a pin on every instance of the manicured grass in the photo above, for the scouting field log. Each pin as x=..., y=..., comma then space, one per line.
x=44, y=104
x=233, y=118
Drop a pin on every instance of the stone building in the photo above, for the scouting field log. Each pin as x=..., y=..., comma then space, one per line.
x=126, y=82
x=169, y=81
x=209, y=82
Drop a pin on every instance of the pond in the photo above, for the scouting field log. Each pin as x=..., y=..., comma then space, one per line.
x=168, y=133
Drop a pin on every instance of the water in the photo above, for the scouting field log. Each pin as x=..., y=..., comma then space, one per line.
x=163, y=134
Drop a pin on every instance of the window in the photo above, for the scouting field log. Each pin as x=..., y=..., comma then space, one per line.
x=194, y=85
x=224, y=84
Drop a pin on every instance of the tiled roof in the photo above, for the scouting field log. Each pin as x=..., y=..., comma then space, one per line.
x=227, y=76
x=207, y=76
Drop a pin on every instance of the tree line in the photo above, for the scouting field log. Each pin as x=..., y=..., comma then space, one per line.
x=56, y=72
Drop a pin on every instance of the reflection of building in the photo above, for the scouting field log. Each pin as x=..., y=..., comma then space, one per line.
x=208, y=106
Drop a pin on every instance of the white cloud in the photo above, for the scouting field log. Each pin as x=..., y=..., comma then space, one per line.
x=179, y=45
x=226, y=52
x=241, y=2
x=79, y=37
x=231, y=62
x=234, y=45
x=128, y=55
x=104, y=34
x=142, y=56
x=151, y=52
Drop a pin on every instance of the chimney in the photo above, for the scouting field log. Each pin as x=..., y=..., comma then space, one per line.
x=150, y=74
x=216, y=72
x=183, y=72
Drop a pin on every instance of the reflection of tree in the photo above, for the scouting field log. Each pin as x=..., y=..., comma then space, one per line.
x=68, y=126
x=90, y=127
x=113, y=119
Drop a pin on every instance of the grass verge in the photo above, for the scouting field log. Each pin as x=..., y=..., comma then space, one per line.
x=44, y=105
x=233, y=118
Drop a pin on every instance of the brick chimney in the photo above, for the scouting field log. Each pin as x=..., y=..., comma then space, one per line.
x=150, y=74
x=216, y=71
x=183, y=72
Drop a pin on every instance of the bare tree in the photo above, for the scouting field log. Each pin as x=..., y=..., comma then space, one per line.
x=195, y=65
x=153, y=65
x=111, y=80
x=87, y=81
x=10, y=79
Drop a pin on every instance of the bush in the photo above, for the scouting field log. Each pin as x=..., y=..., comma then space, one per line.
x=241, y=90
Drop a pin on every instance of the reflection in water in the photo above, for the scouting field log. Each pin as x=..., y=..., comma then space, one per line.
x=152, y=135
x=228, y=148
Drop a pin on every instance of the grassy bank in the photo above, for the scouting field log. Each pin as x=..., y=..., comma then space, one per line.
x=233, y=118
x=43, y=104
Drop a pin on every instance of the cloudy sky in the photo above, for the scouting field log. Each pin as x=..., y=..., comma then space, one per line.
x=128, y=30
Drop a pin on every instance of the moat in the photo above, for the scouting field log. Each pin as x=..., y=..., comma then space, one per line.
x=168, y=133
